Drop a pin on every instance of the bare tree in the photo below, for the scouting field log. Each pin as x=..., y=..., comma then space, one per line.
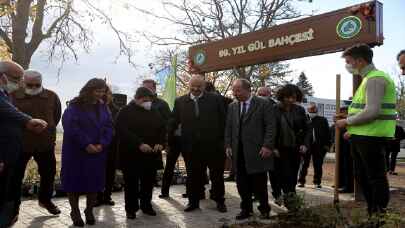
x=65, y=24
x=209, y=20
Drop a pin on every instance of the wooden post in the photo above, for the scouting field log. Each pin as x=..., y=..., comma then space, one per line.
x=358, y=196
x=337, y=143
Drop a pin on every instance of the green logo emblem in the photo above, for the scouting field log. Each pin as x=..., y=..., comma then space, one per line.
x=348, y=27
x=200, y=57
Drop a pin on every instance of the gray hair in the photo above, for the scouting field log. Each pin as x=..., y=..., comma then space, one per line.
x=33, y=74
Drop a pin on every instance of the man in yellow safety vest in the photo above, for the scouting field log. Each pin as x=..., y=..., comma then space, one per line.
x=371, y=121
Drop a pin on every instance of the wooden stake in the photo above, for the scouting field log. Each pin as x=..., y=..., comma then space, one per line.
x=337, y=143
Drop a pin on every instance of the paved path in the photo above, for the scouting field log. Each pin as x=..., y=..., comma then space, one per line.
x=170, y=212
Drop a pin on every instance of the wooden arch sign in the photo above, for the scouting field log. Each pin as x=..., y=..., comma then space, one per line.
x=316, y=35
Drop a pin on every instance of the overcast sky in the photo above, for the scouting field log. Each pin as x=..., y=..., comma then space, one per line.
x=100, y=62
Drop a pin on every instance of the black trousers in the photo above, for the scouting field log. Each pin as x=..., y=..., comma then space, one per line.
x=392, y=160
x=249, y=185
x=111, y=165
x=171, y=159
x=286, y=170
x=274, y=179
x=8, y=188
x=346, y=176
x=139, y=180
x=199, y=159
x=46, y=168
x=317, y=154
x=370, y=171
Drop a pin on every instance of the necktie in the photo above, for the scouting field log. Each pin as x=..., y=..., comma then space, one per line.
x=243, y=110
x=196, y=107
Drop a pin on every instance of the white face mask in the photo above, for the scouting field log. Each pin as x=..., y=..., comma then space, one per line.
x=33, y=92
x=147, y=105
x=351, y=69
x=312, y=114
x=11, y=87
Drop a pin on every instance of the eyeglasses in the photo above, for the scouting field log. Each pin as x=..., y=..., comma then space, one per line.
x=32, y=85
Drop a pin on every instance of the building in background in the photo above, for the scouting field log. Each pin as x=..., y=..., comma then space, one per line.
x=326, y=107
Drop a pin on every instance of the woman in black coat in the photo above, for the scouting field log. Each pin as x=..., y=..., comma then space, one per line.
x=292, y=139
x=141, y=134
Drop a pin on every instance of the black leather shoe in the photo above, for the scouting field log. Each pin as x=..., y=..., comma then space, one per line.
x=164, y=196
x=221, y=207
x=13, y=220
x=50, y=207
x=191, y=207
x=243, y=215
x=131, y=215
x=264, y=215
x=202, y=196
x=318, y=186
x=109, y=202
x=149, y=211
x=301, y=185
x=78, y=223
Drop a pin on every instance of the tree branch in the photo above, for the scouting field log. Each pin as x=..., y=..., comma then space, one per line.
x=54, y=24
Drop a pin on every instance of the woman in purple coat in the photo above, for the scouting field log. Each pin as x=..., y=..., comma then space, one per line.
x=88, y=130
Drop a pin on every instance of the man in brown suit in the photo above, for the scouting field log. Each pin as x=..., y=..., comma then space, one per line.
x=43, y=104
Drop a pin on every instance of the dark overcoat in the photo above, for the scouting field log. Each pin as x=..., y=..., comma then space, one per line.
x=257, y=131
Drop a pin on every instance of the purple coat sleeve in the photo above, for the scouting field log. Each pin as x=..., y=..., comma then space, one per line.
x=106, y=129
x=71, y=126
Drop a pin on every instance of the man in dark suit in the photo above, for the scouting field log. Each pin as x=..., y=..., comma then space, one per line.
x=265, y=93
x=249, y=140
x=209, y=87
x=320, y=145
x=202, y=119
x=12, y=123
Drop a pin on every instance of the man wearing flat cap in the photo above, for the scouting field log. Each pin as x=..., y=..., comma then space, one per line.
x=141, y=134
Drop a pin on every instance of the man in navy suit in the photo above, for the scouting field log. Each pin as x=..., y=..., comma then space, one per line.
x=12, y=123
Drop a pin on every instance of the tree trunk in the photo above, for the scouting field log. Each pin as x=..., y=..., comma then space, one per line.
x=20, y=23
x=24, y=61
